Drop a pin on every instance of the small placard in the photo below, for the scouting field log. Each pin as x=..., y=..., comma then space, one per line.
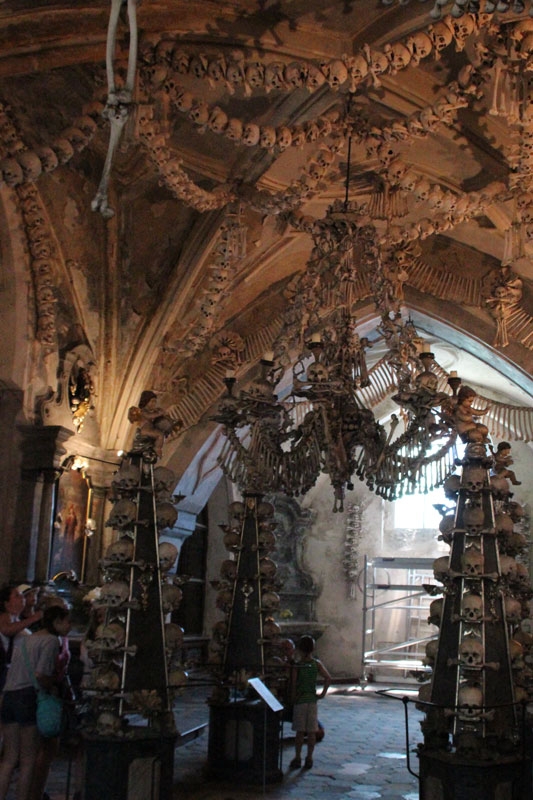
x=265, y=694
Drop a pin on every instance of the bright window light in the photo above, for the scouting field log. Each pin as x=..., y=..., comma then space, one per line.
x=416, y=510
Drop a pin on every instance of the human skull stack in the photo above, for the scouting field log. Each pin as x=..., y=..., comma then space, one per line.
x=136, y=652
x=473, y=727
x=247, y=641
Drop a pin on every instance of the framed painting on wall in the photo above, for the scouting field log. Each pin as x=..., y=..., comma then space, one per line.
x=70, y=521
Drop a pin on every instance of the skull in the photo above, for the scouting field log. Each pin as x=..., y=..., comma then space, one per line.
x=110, y=637
x=236, y=510
x=63, y=150
x=422, y=190
x=513, y=610
x=232, y=539
x=105, y=679
x=283, y=138
x=77, y=138
x=108, y=724
x=123, y=515
x=267, y=568
x=180, y=62
x=317, y=373
x=168, y=554
x=11, y=171
x=396, y=170
x=270, y=601
x=336, y=73
x=508, y=567
x=271, y=629
x=358, y=68
x=164, y=482
x=474, y=478
x=163, y=51
x=424, y=696
x=399, y=56
x=432, y=648
x=463, y=27
x=516, y=652
x=265, y=511
x=126, y=479
x=250, y=134
x=472, y=562
x=274, y=76
x=420, y=46
x=199, y=113
x=409, y=180
x=224, y=600
x=522, y=574
x=166, y=515
x=474, y=519
x=183, y=100
x=503, y=523
x=234, y=130
x=171, y=597
x=173, y=636
x=294, y=75
x=471, y=652
x=298, y=136
x=30, y=163
x=198, y=65
x=114, y=594
x=441, y=567
x=266, y=540
x=315, y=78
x=441, y=35
x=228, y=569
x=435, y=611
x=446, y=527
x=120, y=551
x=218, y=120
x=470, y=702
x=452, y=485
x=47, y=157
x=267, y=138
x=255, y=75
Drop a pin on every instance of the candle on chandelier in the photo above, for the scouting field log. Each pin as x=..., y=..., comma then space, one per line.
x=453, y=373
x=316, y=338
x=230, y=373
x=268, y=355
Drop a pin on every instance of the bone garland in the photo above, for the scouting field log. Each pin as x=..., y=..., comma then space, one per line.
x=348, y=72
x=172, y=174
x=227, y=253
x=352, y=543
x=213, y=118
x=119, y=101
x=42, y=258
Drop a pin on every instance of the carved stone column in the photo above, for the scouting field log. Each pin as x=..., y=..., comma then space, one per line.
x=42, y=451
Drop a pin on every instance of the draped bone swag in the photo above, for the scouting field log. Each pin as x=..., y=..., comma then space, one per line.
x=164, y=186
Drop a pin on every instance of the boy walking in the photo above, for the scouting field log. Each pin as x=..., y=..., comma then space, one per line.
x=305, y=719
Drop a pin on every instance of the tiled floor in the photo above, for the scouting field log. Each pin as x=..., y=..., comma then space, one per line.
x=362, y=757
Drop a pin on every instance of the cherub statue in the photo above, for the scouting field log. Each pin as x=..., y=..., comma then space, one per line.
x=154, y=423
x=464, y=417
x=502, y=462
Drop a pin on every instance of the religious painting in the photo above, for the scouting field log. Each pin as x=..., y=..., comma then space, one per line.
x=69, y=523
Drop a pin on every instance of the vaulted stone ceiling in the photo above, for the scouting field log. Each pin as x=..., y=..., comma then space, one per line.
x=240, y=126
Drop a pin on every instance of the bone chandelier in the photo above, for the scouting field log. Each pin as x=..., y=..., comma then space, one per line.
x=322, y=424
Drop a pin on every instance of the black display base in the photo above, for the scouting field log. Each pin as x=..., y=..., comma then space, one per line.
x=245, y=742
x=444, y=778
x=138, y=766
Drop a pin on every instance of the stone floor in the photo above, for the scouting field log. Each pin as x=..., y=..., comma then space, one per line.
x=362, y=757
